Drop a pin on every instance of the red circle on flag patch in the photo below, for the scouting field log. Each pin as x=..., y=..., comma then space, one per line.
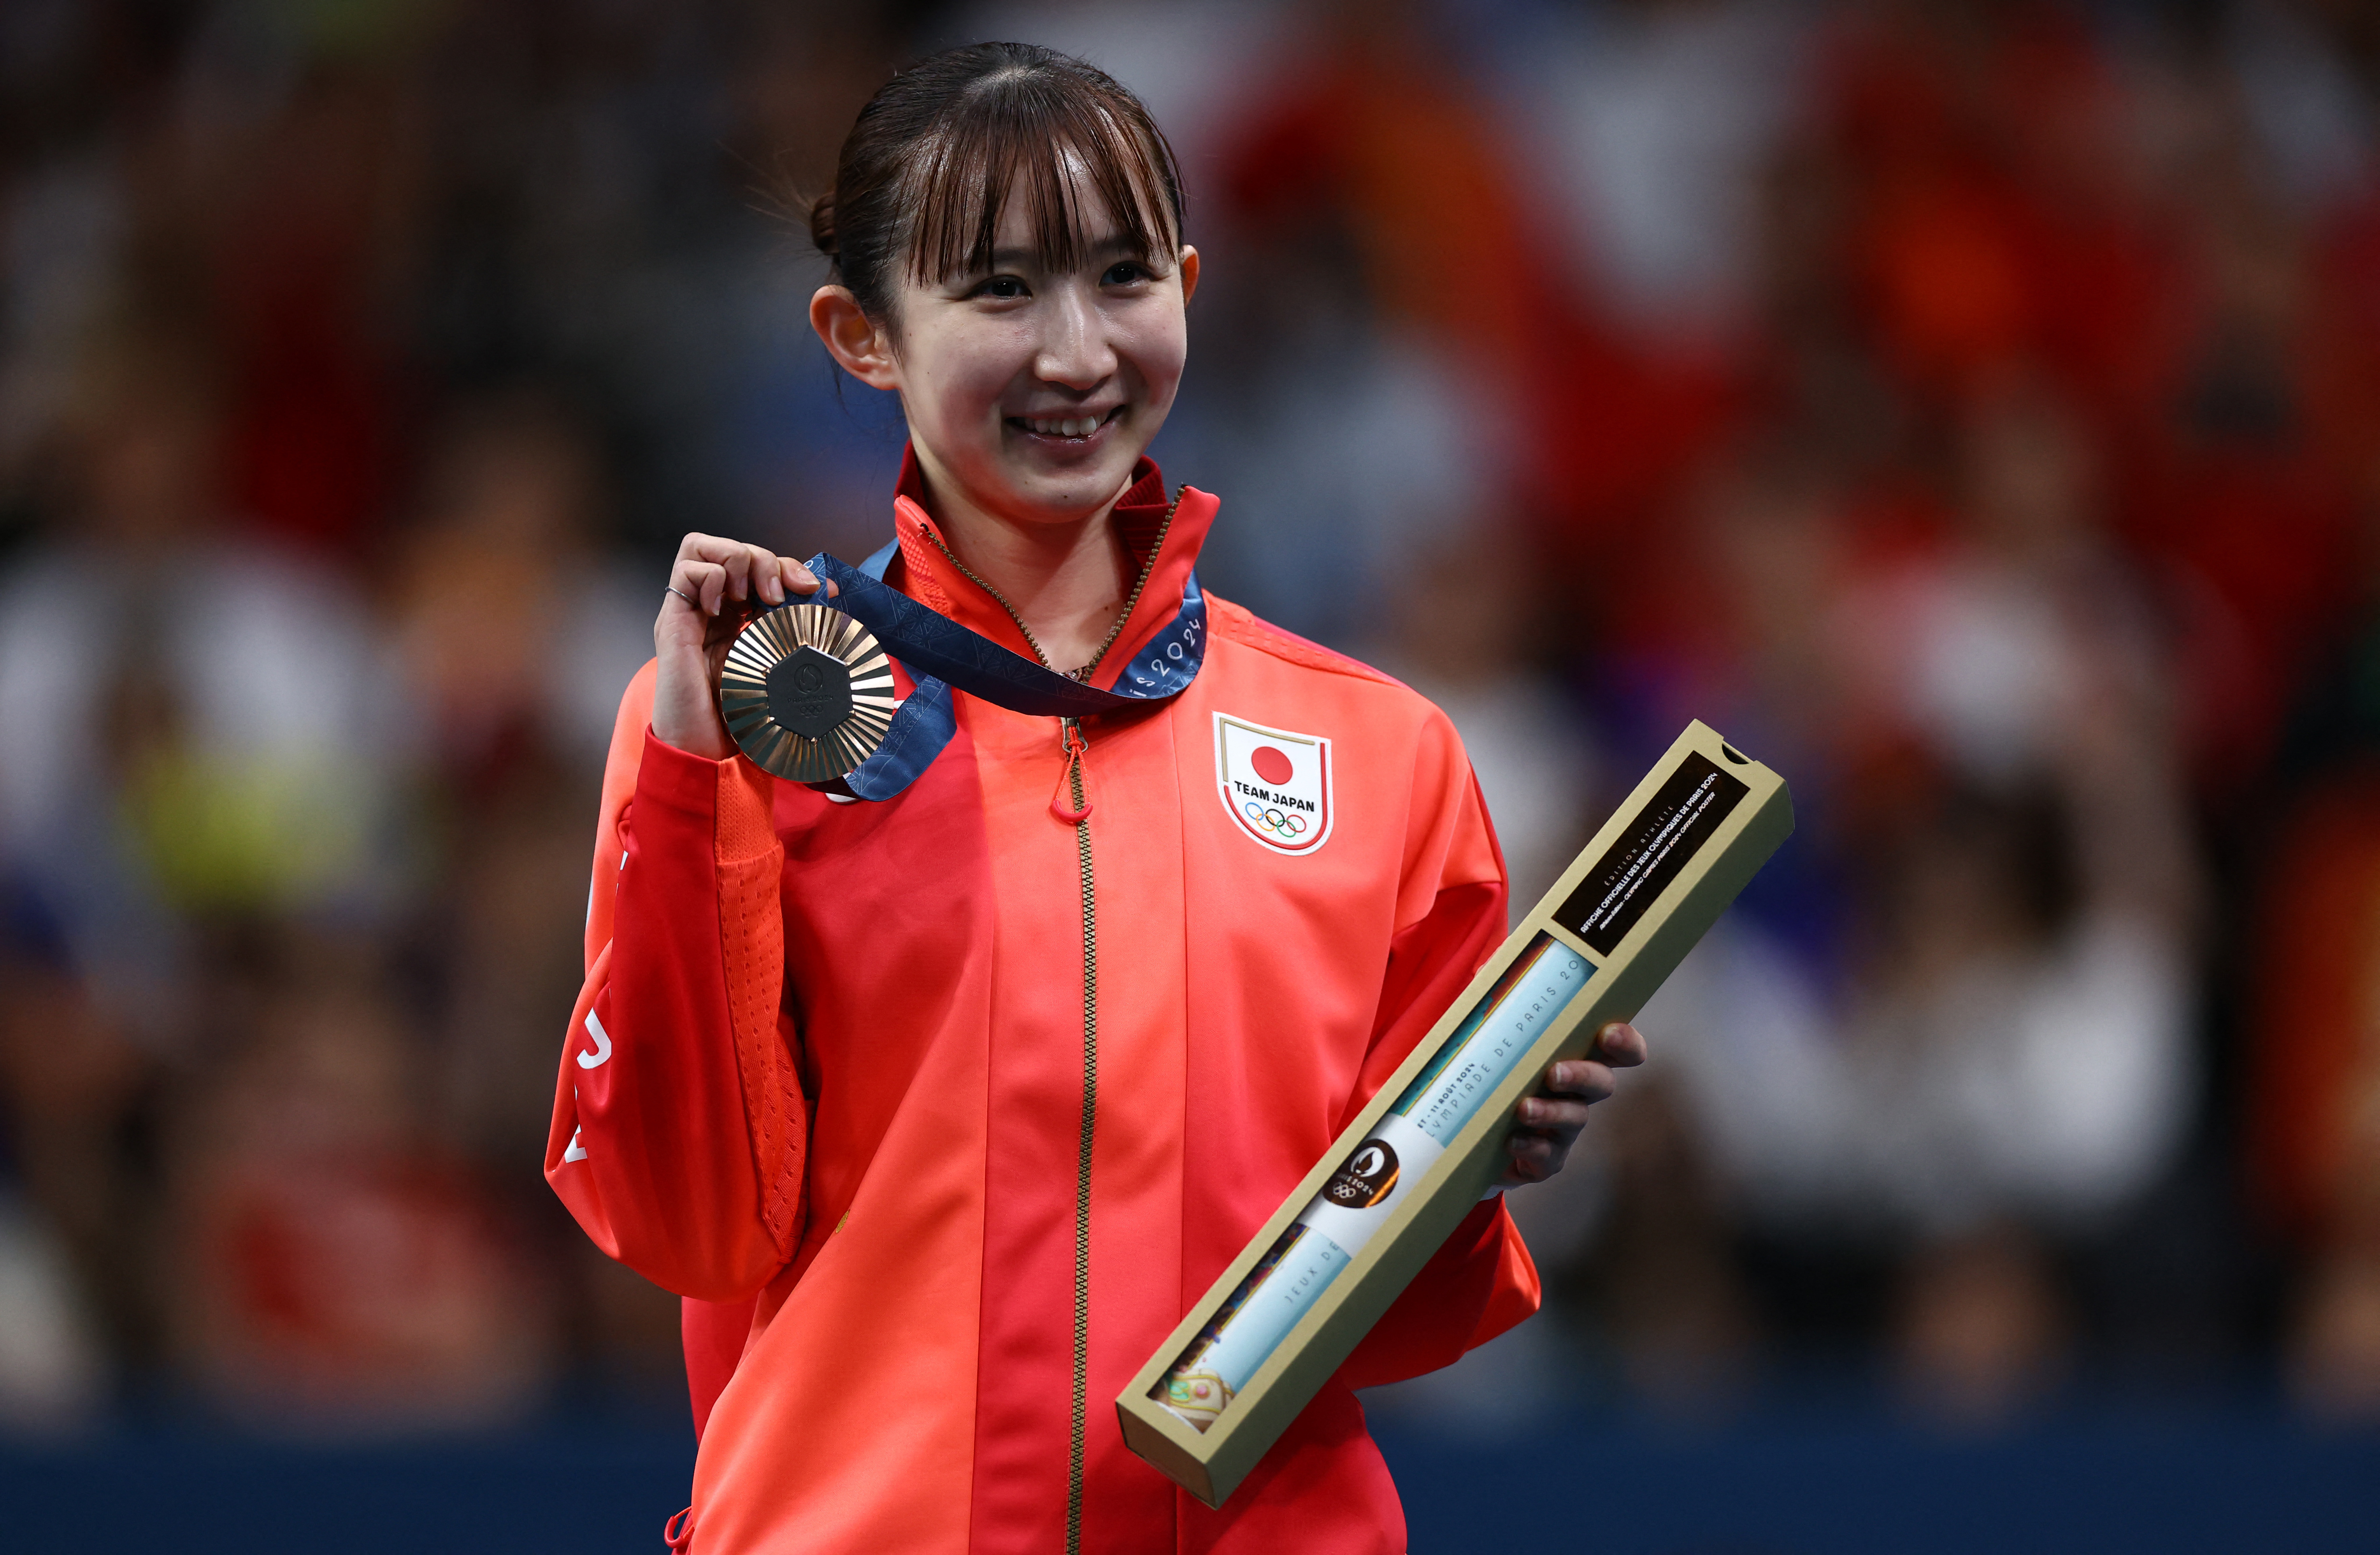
x=1271, y=764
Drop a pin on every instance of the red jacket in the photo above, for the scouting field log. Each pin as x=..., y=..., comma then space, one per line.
x=827, y=1077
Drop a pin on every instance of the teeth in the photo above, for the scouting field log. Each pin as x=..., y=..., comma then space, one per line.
x=1067, y=426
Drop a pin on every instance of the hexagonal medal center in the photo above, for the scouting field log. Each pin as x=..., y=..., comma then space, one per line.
x=809, y=692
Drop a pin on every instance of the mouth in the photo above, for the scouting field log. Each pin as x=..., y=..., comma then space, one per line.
x=1067, y=431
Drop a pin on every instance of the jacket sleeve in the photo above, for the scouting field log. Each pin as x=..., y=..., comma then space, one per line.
x=1481, y=1281
x=679, y=1124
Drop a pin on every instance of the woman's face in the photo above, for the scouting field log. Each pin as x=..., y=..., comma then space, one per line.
x=1031, y=391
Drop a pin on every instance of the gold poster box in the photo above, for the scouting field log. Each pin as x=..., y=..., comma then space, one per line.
x=1309, y=1286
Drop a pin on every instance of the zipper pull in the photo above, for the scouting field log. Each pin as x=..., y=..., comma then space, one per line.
x=1073, y=778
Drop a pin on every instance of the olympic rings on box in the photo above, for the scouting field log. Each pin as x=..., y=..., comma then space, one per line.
x=1280, y=824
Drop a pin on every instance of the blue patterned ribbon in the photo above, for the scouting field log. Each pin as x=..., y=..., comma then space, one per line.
x=939, y=653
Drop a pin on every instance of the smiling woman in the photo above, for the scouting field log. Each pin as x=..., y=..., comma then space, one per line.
x=1008, y=256
x=934, y=1172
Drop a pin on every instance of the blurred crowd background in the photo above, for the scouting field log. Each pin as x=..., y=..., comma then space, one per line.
x=1973, y=409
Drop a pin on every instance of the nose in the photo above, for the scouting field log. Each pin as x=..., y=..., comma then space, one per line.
x=1074, y=348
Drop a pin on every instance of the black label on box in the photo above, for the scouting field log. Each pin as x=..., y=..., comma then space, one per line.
x=1627, y=879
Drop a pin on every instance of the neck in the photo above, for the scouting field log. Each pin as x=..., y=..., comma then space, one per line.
x=1067, y=580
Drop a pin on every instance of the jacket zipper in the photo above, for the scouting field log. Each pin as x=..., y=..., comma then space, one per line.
x=1071, y=732
x=1076, y=744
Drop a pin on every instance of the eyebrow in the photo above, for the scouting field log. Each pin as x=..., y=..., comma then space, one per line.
x=1121, y=243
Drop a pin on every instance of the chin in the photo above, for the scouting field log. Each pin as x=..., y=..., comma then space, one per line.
x=1064, y=502
x=1061, y=491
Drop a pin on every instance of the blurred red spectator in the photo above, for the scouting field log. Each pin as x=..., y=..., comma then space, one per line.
x=334, y=1267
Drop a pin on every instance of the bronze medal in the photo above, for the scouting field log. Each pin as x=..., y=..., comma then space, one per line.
x=806, y=692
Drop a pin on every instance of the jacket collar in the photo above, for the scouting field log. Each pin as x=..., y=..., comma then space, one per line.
x=926, y=575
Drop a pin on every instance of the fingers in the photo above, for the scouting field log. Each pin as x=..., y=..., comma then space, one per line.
x=705, y=583
x=1535, y=1158
x=797, y=579
x=1580, y=1077
x=1578, y=1081
x=735, y=570
x=1549, y=1122
x=740, y=566
x=1621, y=1045
x=1549, y=1125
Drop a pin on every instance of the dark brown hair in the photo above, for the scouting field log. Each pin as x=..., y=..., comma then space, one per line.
x=927, y=170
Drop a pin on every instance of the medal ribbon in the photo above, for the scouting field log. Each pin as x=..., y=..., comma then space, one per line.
x=939, y=653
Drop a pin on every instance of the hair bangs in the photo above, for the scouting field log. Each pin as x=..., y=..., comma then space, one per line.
x=1020, y=134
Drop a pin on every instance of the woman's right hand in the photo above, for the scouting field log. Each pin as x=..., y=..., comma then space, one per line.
x=699, y=618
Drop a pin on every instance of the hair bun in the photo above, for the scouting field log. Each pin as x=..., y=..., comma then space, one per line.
x=823, y=226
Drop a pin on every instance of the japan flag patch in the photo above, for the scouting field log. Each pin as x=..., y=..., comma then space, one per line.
x=1276, y=784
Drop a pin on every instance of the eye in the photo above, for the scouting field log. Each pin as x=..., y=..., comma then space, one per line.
x=1001, y=288
x=1125, y=273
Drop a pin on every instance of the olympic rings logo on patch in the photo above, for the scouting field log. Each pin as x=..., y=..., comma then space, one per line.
x=1274, y=784
x=1280, y=824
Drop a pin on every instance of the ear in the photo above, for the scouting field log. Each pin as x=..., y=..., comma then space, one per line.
x=1189, y=272
x=853, y=339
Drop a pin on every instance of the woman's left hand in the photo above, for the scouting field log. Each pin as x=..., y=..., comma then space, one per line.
x=1550, y=1119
